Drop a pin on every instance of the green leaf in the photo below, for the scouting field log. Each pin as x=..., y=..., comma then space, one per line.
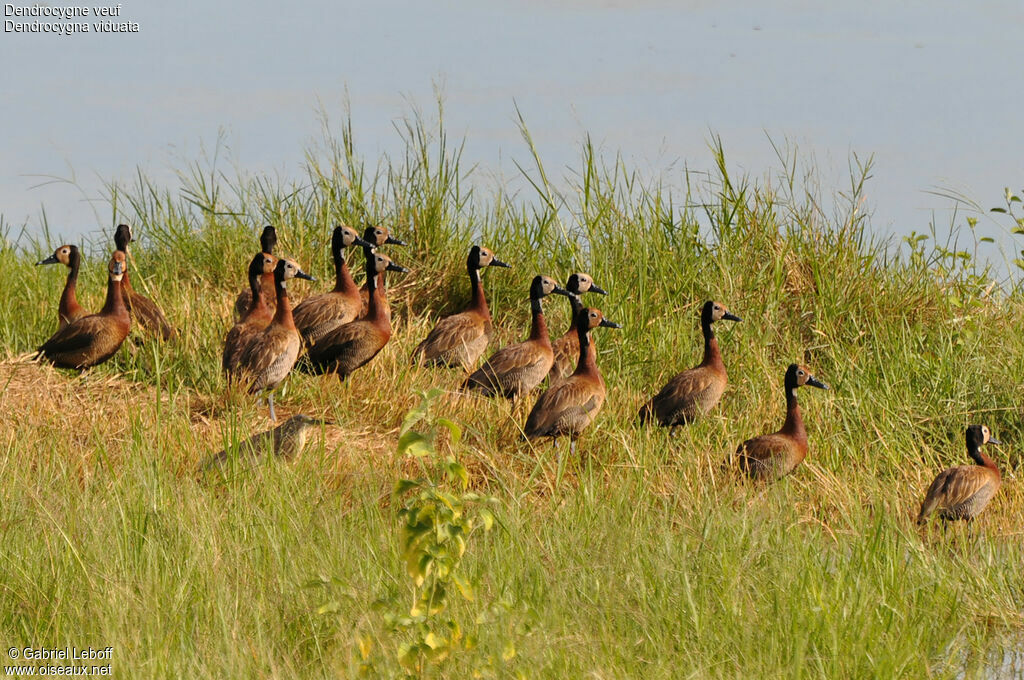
x=403, y=485
x=487, y=517
x=998, y=210
x=408, y=655
x=465, y=587
x=329, y=608
x=435, y=641
x=415, y=444
x=458, y=471
x=453, y=428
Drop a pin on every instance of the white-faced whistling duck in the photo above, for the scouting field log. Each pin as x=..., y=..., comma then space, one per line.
x=318, y=315
x=270, y=355
x=68, y=308
x=348, y=347
x=567, y=348
x=255, y=319
x=772, y=456
x=284, y=441
x=145, y=312
x=694, y=392
x=460, y=339
x=376, y=236
x=515, y=370
x=569, y=406
x=962, y=492
x=91, y=340
x=268, y=241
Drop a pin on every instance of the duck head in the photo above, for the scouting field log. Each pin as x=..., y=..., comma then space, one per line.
x=978, y=435
x=345, y=237
x=591, y=317
x=379, y=236
x=715, y=311
x=580, y=283
x=543, y=286
x=289, y=269
x=64, y=255
x=122, y=237
x=480, y=257
x=117, y=266
x=268, y=239
x=798, y=375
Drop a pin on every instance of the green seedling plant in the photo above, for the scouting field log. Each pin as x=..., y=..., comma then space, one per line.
x=438, y=517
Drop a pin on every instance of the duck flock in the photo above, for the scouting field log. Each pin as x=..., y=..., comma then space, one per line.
x=343, y=329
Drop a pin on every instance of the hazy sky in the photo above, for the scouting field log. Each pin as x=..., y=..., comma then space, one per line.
x=932, y=89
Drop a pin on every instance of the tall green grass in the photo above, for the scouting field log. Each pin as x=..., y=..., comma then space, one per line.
x=636, y=559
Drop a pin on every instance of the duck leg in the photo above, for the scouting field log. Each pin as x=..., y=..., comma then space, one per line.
x=270, y=402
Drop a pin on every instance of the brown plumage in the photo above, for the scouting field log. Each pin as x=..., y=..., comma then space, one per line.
x=91, y=340
x=696, y=391
x=256, y=318
x=376, y=236
x=68, y=309
x=568, y=407
x=460, y=339
x=962, y=492
x=348, y=347
x=515, y=370
x=772, y=456
x=270, y=355
x=145, y=312
x=268, y=241
x=567, y=348
x=318, y=315
x=284, y=441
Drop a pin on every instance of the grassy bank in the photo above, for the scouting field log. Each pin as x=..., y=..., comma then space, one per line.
x=637, y=559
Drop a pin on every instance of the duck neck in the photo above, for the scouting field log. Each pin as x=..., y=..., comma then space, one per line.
x=477, y=301
x=283, y=313
x=980, y=457
x=794, y=425
x=256, y=304
x=577, y=304
x=267, y=283
x=375, y=307
x=67, y=298
x=538, y=327
x=126, y=283
x=587, y=362
x=114, y=304
x=712, y=355
x=343, y=281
